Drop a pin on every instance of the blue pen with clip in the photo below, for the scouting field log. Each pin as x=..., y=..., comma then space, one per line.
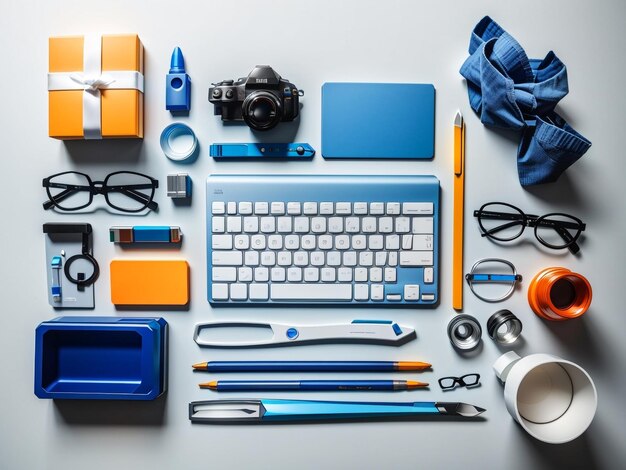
x=312, y=385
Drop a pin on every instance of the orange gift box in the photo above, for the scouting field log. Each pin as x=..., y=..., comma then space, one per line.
x=95, y=87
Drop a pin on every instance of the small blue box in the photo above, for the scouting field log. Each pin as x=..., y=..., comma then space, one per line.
x=101, y=358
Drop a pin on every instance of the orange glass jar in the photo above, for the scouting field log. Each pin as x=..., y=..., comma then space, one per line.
x=559, y=294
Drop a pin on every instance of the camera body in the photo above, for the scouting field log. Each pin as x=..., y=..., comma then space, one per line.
x=261, y=100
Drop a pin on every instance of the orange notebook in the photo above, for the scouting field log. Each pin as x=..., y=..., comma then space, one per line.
x=149, y=282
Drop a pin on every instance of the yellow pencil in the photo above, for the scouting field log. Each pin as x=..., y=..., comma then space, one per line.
x=459, y=196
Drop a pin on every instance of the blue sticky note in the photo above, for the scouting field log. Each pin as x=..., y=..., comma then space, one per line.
x=378, y=120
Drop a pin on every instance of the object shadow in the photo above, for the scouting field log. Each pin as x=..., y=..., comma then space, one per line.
x=105, y=151
x=112, y=412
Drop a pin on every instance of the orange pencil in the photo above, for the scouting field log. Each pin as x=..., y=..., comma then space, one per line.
x=459, y=199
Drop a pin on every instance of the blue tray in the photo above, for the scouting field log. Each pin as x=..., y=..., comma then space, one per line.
x=101, y=358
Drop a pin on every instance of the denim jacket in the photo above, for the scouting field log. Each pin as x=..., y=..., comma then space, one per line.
x=509, y=90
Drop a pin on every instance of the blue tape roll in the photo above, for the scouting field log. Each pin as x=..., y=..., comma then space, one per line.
x=178, y=142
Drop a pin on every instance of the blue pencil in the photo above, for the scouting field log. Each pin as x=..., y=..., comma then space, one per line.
x=312, y=385
x=311, y=366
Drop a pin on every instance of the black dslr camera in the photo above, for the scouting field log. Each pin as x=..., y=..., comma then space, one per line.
x=261, y=100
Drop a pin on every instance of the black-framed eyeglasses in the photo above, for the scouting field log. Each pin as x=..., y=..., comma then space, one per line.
x=125, y=191
x=468, y=380
x=505, y=222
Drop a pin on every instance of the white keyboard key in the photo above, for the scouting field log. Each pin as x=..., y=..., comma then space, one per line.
x=231, y=208
x=326, y=208
x=250, y=224
x=342, y=242
x=369, y=225
x=423, y=225
x=428, y=297
x=242, y=242
x=311, y=274
x=375, y=242
x=244, y=274
x=301, y=258
x=394, y=297
x=294, y=274
x=366, y=258
x=222, y=242
x=259, y=291
x=325, y=242
x=278, y=274
x=268, y=258
x=349, y=258
x=422, y=242
x=251, y=258
x=335, y=224
x=361, y=291
x=226, y=258
x=257, y=242
x=284, y=258
x=292, y=242
x=385, y=225
x=344, y=275
x=245, y=208
x=238, y=291
x=277, y=208
x=411, y=292
x=261, y=274
x=301, y=224
x=360, y=208
x=218, y=207
x=328, y=274
x=308, y=242
x=376, y=275
x=381, y=258
x=333, y=258
x=310, y=208
x=317, y=258
x=393, y=259
x=378, y=292
x=224, y=274
x=428, y=275
x=217, y=224
x=219, y=291
x=360, y=274
x=275, y=242
x=352, y=224
x=358, y=242
x=417, y=208
x=392, y=242
x=416, y=258
x=390, y=275
x=393, y=208
x=318, y=224
x=261, y=208
x=343, y=208
x=377, y=208
x=284, y=224
x=268, y=224
x=233, y=224
x=407, y=241
x=311, y=292
x=402, y=225
x=294, y=208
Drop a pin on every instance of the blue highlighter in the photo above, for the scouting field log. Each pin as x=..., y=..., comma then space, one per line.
x=177, y=84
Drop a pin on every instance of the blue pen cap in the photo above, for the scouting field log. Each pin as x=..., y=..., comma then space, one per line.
x=177, y=84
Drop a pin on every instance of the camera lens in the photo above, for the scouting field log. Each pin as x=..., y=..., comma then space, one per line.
x=261, y=110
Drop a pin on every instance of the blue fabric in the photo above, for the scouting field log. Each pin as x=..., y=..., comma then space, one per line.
x=508, y=90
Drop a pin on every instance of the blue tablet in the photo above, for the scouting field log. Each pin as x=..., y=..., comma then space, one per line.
x=378, y=120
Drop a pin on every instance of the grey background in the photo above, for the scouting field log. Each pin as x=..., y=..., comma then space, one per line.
x=310, y=43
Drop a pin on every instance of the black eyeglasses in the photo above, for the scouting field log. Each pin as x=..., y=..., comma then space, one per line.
x=468, y=380
x=126, y=191
x=505, y=222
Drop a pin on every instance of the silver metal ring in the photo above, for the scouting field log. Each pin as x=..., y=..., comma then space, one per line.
x=504, y=327
x=464, y=332
x=473, y=277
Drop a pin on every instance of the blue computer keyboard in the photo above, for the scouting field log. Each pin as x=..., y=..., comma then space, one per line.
x=313, y=239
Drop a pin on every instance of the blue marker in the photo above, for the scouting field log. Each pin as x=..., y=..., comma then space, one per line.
x=177, y=84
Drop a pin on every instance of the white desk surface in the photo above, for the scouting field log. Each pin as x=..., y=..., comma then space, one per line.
x=311, y=43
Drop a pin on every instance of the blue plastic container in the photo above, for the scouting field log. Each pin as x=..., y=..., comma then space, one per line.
x=101, y=358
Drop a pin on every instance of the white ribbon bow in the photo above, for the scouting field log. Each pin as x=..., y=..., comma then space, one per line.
x=92, y=84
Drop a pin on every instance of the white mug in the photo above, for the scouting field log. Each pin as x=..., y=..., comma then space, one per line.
x=554, y=400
